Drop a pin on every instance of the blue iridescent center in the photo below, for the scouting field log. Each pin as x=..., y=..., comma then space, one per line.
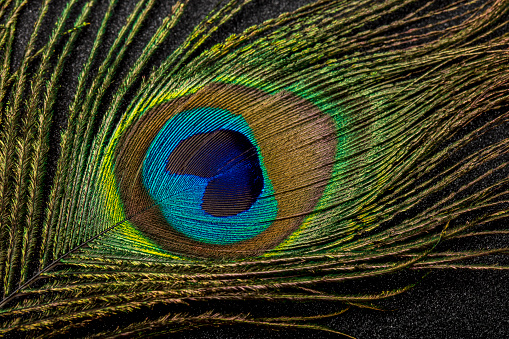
x=231, y=163
x=205, y=172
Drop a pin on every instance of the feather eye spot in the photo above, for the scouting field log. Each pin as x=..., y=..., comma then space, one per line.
x=228, y=171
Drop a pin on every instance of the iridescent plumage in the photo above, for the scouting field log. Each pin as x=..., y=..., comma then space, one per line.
x=307, y=151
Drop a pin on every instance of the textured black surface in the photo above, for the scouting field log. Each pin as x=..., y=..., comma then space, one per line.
x=446, y=304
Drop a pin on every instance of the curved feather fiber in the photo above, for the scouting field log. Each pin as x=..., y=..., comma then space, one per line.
x=335, y=143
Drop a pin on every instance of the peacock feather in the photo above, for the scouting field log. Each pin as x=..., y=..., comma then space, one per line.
x=160, y=171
